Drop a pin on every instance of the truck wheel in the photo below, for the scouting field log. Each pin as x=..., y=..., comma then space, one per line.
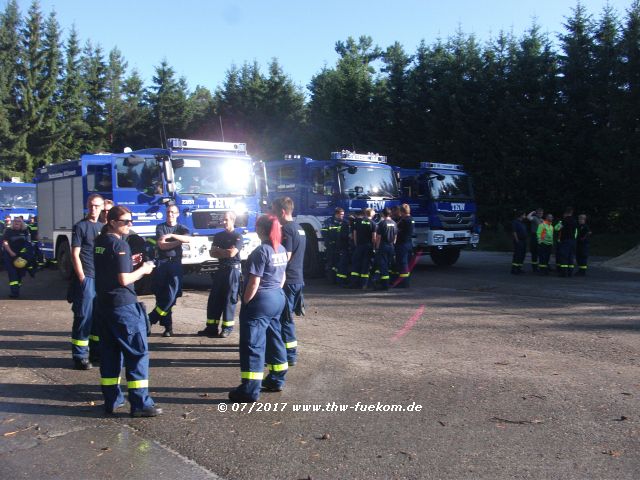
x=312, y=263
x=63, y=257
x=445, y=258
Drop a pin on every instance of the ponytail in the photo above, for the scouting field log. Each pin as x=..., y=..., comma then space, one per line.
x=271, y=228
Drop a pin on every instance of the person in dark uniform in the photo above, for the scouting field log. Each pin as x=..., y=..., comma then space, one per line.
x=84, y=337
x=167, y=279
x=123, y=327
x=519, y=236
x=294, y=241
x=225, y=285
x=343, y=247
x=582, y=245
x=262, y=304
x=566, y=243
x=364, y=230
x=404, y=246
x=17, y=254
x=386, y=234
x=331, y=232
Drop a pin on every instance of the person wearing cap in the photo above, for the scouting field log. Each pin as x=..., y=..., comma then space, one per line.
x=16, y=251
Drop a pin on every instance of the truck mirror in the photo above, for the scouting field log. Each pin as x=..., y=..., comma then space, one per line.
x=133, y=160
x=177, y=163
x=358, y=190
x=351, y=170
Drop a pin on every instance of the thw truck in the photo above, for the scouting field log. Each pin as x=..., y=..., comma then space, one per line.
x=204, y=179
x=349, y=180
x=17, y=200
x=443, y=207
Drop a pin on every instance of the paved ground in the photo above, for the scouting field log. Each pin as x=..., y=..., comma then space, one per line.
x=516, y=377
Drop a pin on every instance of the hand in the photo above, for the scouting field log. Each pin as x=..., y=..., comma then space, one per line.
x=148, y=267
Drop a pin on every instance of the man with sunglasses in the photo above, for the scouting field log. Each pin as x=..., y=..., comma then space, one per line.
x=84, y=340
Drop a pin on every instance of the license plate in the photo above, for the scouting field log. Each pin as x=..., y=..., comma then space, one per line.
x=459, y=235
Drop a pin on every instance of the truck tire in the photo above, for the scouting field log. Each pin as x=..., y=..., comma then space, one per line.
x=312, y=262
x=446, y=257
x=63, y=258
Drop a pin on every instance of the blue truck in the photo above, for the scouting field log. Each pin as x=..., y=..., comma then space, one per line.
x=349, y=180
x=17, y=200
x=203, y=178
x=443, y=207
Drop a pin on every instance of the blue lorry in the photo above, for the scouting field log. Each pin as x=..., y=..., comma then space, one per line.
x=349, y=180
x=443, y=207
x=17, y=200
x=203, y=178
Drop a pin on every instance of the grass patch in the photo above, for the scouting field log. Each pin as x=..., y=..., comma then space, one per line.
x=601, y=245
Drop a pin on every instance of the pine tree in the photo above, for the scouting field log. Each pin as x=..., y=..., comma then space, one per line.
x=136, y=117
x=74, y=128
x=10, y=24
x=114, y=103
x=94, y=71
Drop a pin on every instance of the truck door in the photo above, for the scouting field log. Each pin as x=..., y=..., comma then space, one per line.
x=322, y=190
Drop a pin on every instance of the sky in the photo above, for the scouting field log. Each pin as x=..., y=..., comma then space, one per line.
x=202, y=39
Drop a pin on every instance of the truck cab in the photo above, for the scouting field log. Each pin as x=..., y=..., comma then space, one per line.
x=443, y=207
x=203, y=178
x=349, y=180
x=18, y=199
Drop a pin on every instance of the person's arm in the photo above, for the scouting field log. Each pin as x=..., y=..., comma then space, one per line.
x=251, y=288
x=165, y=242
x=77, y=264
x=131, y=277
x=284, y=277
x=219, y=252
x=7, y=248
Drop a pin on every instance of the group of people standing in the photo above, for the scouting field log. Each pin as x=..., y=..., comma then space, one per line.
x=111, y=326
x=568, y=239
x=362, y=253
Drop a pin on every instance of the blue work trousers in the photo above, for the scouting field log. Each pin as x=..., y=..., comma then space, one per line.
x=384, y=259
x=293, y=296
x=123, y=339
x=361, y=265
x=167, y=287
x=582, y=254
x=403, y=255
x=544, y=254
x=223, y=298
x=519, y=252
x=260, y=341
x=342, y=273
x=15, y=274
x=566, y=256
x=84, y=336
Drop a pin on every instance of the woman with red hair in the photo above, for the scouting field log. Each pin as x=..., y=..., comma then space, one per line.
x=262, y=304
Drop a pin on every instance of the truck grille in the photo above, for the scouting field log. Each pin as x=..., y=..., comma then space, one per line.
x=456, y=221
x=210, y=219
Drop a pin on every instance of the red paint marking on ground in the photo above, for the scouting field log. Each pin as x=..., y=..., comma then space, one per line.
x=409, y=324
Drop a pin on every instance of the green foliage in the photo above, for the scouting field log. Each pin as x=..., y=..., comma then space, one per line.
x=535, y=124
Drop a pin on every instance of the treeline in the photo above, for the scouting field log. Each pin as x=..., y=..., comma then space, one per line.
x=538, y=120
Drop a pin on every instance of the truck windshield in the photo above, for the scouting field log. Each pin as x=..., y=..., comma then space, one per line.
x=369, y=182
x=215, y=176
x=18, y=196
x=453, y=186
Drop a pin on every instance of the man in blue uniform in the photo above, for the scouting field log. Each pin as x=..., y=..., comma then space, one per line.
x=363, y=234
x=225, y=286
x=330, y=232
x=17, y=253
x=404, y=246
x=167, y=279
x=582, y=245
x=519, y=235
x=343, y=246
x=566, y=229
x=386, y=233
x=84, y=338
x=294, y=241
